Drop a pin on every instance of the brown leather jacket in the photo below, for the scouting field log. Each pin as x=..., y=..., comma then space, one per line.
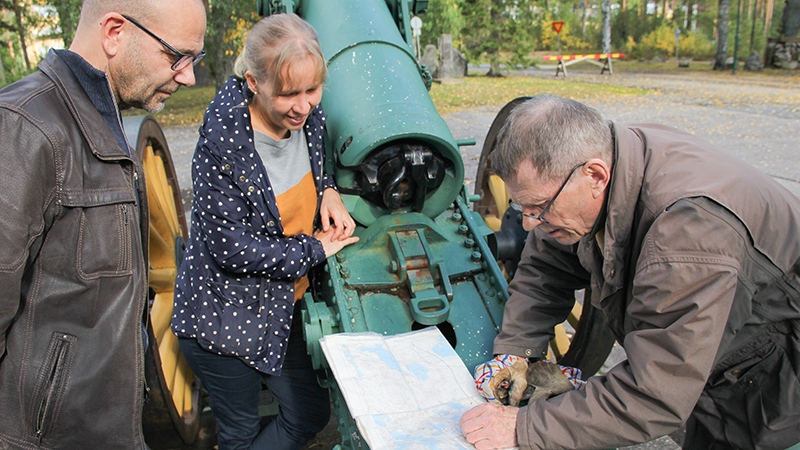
x=72, y=271
x=699, y=278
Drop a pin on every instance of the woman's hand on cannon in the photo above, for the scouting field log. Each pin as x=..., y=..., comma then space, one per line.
x=331, y=243
x=333, y=210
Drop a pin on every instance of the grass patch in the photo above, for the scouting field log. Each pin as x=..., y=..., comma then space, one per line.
x=188, y=104
x=184, y=107
x=668, y=66
x=480, y=91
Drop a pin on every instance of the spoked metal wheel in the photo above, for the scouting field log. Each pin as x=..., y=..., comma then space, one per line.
x=588, y=346
x=171, y=417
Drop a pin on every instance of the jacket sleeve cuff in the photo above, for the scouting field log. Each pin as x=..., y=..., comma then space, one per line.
x=328, y=182
x=317, y=251
x=524, y=430
x=524, y=352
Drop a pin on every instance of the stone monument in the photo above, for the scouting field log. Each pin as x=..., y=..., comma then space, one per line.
x=430, y=59
x=452, y=64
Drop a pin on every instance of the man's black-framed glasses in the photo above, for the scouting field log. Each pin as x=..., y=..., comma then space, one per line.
x=184, y=59
x=540, y=216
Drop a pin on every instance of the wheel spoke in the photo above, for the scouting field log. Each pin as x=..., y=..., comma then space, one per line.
x=173, y=412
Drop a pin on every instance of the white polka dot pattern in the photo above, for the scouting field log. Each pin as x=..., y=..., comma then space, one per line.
x=235, y=286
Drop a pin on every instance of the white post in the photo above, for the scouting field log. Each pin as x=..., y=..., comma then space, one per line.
x=416, y=30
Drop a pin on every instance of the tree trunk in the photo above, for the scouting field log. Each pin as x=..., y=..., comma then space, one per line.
x=689, y=8
x=753, y=19
x=21, y=32
x=722, y=34
x=768, y=20
x=583, y=19
x=494, y=69
x=791, y=18
x=623, y=29
x=606, y=8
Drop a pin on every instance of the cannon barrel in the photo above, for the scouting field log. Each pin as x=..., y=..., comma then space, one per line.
x=392, y=151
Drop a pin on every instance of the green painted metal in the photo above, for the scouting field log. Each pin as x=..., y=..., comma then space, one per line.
x=375, y=97
x=409, y=271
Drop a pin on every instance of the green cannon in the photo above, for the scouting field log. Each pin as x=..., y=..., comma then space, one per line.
x=401, y=175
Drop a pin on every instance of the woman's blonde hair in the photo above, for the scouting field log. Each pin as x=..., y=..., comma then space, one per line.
x=275, y=41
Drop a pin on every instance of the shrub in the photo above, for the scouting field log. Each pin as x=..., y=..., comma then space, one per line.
x=661, y=42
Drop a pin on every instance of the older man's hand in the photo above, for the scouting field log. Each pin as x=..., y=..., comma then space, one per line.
x=490, y=426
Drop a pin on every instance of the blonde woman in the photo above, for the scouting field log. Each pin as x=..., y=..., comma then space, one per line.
x=259, y=190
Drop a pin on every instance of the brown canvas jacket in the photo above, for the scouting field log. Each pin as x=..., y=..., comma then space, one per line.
x=699, y=278
x=72, y=272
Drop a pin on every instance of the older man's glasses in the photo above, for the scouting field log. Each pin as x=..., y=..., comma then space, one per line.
x=183, y=59
x=540, y=216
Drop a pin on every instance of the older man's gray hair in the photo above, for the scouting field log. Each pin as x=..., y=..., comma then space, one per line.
x=553, y=133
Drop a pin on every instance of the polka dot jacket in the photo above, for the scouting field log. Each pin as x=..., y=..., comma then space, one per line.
x=235, y=286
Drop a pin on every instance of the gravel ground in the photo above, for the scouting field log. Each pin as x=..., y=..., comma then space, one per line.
x=755, y=118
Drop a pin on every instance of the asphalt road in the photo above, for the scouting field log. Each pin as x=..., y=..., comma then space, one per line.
x=757, y=119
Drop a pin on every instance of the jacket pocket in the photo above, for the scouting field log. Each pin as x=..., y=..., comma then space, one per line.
x=50, y=385
x=104, y=242
x=754, y=404
x=231, y=319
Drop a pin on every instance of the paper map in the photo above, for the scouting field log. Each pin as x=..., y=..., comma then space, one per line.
x=405, y=391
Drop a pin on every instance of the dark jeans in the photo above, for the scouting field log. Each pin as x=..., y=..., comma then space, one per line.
x=234, y=388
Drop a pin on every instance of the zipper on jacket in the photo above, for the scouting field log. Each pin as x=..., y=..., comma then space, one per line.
x=146, y=390
x=136, y=184
x=126, y=236
x=51, y=384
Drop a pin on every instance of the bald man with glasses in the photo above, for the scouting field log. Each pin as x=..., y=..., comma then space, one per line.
x=73, y=250
x=692, y=256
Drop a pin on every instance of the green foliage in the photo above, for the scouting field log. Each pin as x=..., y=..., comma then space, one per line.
x=442, y=17
x=228, y=22
x=509, y=30
x=478, y=91
x=186, y=106
x=68, y=12
x=13, y=68
x=570, y=35
x=661, y=42
x=483, y=19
